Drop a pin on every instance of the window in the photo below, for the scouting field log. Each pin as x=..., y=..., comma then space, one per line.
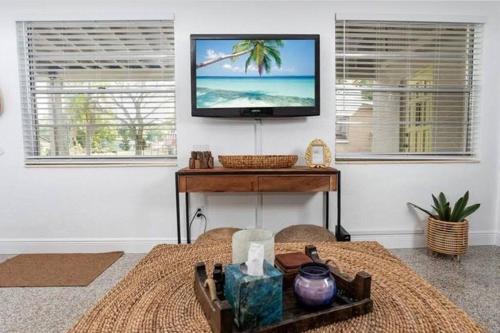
x=406, y=90
x=97, y=91
x=341, y=129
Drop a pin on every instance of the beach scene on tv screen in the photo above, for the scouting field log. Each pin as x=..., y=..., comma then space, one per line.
x=255, y=73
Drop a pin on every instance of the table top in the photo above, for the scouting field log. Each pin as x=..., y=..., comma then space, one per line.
x=285, y=171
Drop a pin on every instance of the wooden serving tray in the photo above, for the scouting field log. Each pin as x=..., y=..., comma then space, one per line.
x=353, y=299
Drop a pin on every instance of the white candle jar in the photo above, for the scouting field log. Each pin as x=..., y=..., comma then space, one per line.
x=242, y=240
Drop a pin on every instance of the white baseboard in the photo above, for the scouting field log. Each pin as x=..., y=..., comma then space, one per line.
x=416, y=238
x=482, y=238
x=390, y=239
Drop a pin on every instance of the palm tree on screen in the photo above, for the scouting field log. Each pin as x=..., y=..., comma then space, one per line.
x=261, y=53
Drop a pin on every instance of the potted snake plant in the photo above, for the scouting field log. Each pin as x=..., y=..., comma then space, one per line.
x=447, y=228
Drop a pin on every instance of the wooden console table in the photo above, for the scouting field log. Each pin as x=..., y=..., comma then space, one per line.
x=296, y=179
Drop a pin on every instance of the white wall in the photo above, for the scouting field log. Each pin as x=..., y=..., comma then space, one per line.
x=132, y=208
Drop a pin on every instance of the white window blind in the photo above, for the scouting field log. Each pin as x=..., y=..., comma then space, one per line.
x=97, y=90
x=406, y=90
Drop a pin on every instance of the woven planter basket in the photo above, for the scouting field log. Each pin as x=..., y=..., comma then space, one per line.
x=447, y=237
x=258, y=161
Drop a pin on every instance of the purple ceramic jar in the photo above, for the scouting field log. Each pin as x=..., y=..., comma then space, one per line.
x=314, y=286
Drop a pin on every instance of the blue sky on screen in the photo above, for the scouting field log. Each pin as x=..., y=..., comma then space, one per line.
x=297, y=58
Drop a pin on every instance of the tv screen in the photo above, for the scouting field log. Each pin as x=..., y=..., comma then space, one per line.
x=254, y=75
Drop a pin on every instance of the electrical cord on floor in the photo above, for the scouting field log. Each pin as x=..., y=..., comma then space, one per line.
x=196, y=214
x=206, y=222
x=192, y=219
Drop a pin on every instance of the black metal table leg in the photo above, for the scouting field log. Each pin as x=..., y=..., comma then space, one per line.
x=177, y=209
x=188, y=229
x=340, y=233
x=339, y=202
x=327, y=210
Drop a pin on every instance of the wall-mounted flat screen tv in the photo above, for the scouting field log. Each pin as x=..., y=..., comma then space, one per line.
x=255, y=75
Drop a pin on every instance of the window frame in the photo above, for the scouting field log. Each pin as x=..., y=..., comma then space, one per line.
x=400, y=157
x=30, y=114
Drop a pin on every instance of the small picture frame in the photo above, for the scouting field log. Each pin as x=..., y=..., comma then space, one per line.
x=318, y=154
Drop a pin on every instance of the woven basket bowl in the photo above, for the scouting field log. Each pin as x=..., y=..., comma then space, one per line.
x=258, y=161
x=447, y=237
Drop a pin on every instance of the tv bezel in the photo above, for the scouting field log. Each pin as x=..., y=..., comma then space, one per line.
x=255, y=112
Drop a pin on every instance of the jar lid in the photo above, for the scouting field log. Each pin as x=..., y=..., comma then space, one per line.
x=314, y=271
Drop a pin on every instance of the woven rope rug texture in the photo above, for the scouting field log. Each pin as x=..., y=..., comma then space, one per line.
x=157, y=295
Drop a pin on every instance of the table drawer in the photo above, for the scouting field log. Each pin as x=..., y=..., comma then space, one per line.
x=221, y=184
x=294, y=183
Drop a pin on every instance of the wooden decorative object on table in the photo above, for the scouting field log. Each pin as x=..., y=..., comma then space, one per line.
x=201, y=160
x=318, y=154
x=258, y=161
x=353, y=299
x=447, y=237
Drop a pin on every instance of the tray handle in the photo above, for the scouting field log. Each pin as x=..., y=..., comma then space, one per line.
x=218, y=312
x=210, y=283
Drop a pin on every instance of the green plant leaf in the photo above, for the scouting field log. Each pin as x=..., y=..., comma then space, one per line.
x=422, y=209
x=466, y=198
x=468, y=211
x=443, y=211
x=439, y=207
x=442, y=199
x=447, y=212
x=436, y=202
x=439, y=213
x=443, y=207
x=457, y=210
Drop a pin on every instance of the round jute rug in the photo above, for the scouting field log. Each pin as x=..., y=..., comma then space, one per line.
x=157, y=295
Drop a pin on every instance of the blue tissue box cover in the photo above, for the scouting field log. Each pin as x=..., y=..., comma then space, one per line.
x=256, y=300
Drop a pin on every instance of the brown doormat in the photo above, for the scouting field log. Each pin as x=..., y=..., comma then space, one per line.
x=55, y=270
